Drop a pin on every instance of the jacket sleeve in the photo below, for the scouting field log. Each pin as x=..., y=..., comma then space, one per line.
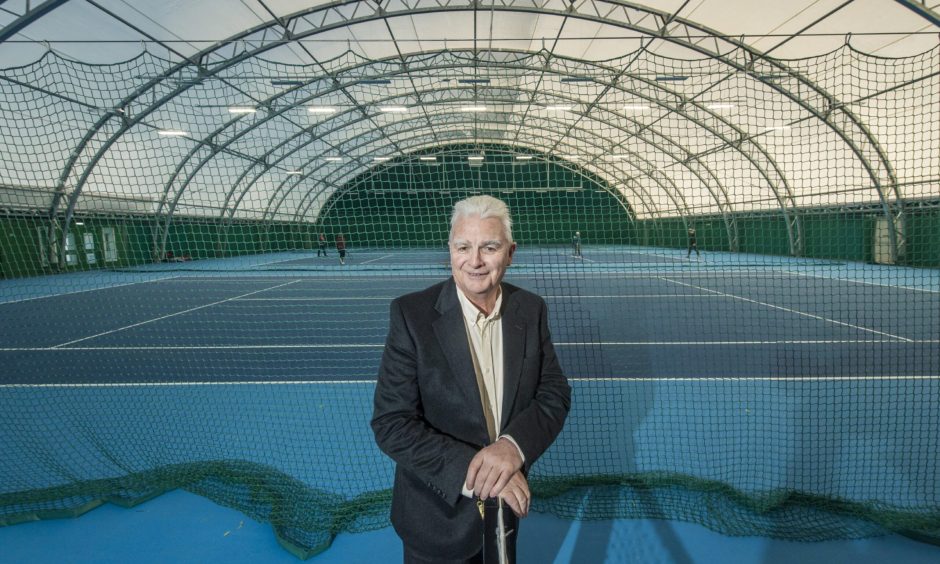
x=535, y=427
x=401, y=431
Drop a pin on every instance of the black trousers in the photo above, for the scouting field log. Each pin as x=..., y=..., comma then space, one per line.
x=490, y=552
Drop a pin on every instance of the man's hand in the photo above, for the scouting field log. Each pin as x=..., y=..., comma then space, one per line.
x=516, y=495
x=492, y=467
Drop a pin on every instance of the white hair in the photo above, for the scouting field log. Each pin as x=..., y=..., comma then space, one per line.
x=483, y=207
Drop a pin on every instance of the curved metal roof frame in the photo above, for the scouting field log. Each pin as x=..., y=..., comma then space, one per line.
x=336, y=15
x=687, y=157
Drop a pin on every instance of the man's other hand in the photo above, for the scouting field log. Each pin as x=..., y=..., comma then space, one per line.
x=492, y=467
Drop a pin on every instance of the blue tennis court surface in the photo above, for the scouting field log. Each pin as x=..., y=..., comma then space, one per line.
x=620, y=314
x=761, y=373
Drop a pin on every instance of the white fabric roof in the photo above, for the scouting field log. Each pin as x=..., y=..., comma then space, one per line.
x=684, y=107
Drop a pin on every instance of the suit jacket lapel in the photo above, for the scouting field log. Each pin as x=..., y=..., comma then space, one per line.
x=452, y=336
x=514, y=328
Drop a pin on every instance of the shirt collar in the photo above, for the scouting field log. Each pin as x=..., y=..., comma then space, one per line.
x=471, y=313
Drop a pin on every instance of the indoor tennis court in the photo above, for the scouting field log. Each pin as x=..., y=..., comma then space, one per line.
x=732, y=213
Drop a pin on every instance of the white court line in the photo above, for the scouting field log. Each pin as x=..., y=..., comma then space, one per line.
x=171, y=315
x=611, y=296
x=349, y=299
x=59, y=348
x=375, y=259
x=726, y=343
x=570, y=379
x=835, y=278
x=88, y=290
x=786, y=309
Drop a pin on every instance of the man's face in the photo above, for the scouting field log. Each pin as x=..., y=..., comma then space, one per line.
x=479, y=256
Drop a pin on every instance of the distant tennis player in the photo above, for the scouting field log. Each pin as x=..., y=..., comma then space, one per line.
x=341, y=248
x=576, y=243
x=469, y=395
x=693, y=244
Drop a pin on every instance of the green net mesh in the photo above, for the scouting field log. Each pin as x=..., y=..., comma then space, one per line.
x=171, y=319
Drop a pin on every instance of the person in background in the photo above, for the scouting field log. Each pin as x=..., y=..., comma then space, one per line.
x=576, y=241
x=341, y=248
x=469, y=396
x=693, y=244
x=321, y=248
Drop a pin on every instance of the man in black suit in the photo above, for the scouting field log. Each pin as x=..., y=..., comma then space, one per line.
x=469, y=395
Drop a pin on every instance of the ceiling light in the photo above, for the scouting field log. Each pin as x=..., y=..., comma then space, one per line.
x=320, y=110
x=473, y=109
x=635, y=107
x=523, y=157
x=475, y=158
x=393, y=109
x=576, y=79
x=172, y=132
x=333, y=159
x=375, y=81
x=558, y=108
x=281, y=82
x=381, y=159
x=671, y=78
x=427, y=159
x=473, y=80
x=294, y=172
x=241, y=110
x=572, y=157
x=718, y=106
x=778, y=128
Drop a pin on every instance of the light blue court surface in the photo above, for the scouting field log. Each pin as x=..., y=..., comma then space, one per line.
x=757, y=372
x=182, y=528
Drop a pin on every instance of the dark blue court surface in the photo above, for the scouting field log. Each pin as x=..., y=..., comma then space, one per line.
x=669, y=318
x=735, y=369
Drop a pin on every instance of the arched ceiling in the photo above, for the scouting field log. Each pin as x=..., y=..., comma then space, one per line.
x=683, y=107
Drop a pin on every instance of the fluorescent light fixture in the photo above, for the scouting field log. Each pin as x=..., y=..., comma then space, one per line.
x=375, y=81
x=241, y=110
x=333, y=159
x=473, y=80
x=473, y=109
x=381, y=159
x=778, y=128
x=172, y=132
x=294, y=172
x=475, y=158
x=523, y=157
x=393, y=109
x=635, y=107
x=428, y=159
x=719, y=106
x=283, y=82
x=320, y=110
x=558, y=108
x=572, y=157
x=79, y=223
x=576, y=79
x=615, y=157
x=671, y=78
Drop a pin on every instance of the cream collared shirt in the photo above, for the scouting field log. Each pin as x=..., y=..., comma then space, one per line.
x=485, y=337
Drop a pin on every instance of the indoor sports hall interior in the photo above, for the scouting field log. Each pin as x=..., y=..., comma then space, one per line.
x=731, y=208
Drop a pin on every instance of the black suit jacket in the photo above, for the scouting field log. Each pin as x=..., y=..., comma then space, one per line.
x=428, y=413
